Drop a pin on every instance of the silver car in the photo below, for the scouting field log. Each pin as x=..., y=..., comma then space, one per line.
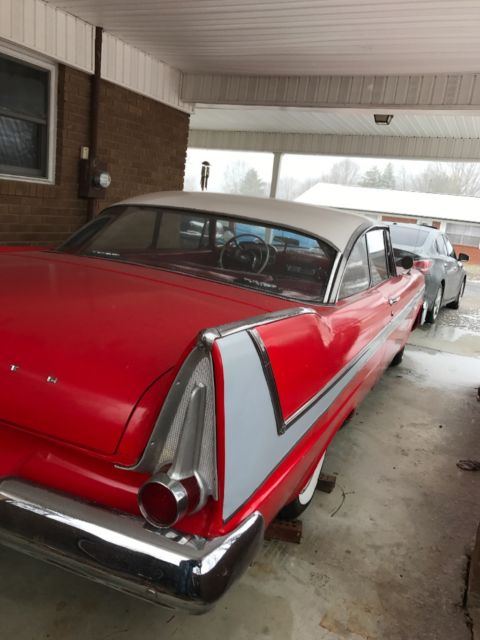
x=434, y=255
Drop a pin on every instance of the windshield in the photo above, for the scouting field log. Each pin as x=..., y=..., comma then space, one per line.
x=230, y=250
x=408, y=236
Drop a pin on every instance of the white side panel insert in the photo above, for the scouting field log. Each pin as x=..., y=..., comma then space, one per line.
x=253, y=447
x=250, y=427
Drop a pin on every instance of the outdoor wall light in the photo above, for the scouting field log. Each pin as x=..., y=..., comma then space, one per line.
x=383, y=118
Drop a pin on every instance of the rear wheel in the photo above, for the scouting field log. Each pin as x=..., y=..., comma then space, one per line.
x=432, y=314
x=398, y=358
x=293, y=509
x=456, y=303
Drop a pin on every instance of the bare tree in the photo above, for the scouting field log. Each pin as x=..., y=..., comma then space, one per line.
x=233, y=176
x=343, y=172
x=403, y=179
x=454, y=178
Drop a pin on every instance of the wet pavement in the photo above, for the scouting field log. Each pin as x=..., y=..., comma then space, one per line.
x=456, y=331
x=383, y=557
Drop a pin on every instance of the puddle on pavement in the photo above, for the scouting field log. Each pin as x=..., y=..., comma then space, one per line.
x=452, y=339
x=437, y=369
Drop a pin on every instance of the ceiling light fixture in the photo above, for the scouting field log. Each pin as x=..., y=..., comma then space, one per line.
x=383, y=118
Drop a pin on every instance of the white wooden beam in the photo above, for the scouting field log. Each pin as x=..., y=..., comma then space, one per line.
x=395, y=92
x=339, y=145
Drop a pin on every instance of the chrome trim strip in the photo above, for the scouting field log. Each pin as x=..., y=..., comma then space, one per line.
x=366, y=351
x=119, y=550
x=270, y=378
x=148, y=461
x=332, y=278
x=301, y=423
x=208, y=336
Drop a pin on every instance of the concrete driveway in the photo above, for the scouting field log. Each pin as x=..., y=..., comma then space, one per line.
x=383, y=557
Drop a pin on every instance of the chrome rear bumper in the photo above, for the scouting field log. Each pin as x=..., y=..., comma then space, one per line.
x=121, y=551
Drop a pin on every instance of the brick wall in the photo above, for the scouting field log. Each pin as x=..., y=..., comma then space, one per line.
x=143, y=142
x=398, y=219
x=41, y=213
x=472, y=252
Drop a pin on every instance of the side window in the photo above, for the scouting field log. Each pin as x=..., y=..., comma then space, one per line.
x=377, y=255
x=132, y=231
x=357, y=275
x=440, y=246
x=450, y=249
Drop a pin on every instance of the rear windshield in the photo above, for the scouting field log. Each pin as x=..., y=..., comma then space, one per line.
x=264, y=257
x=408, y=236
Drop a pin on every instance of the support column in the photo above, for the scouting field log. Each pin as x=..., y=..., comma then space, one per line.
x=275, y=171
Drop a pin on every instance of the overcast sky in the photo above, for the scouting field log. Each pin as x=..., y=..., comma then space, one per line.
x=297, y=166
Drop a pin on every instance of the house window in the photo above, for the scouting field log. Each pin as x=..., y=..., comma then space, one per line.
x=26, y=118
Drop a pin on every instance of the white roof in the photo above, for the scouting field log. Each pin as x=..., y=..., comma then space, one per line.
x=407, y=203
x=335, y=226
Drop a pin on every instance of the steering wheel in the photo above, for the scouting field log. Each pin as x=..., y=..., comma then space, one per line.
x=246, y=254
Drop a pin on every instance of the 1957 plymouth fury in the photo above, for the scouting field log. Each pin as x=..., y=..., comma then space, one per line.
x=172, y=375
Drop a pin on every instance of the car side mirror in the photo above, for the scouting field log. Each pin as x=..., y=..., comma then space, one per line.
x=463, y=257
x=406, y=262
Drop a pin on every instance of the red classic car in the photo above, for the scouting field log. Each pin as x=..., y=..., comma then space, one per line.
x=172, y=375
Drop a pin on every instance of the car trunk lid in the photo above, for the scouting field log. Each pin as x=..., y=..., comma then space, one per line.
x=81, y=339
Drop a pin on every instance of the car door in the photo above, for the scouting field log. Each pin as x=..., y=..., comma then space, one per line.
x=384, y=278
x=400, y=290
x=362, y=312
x=452, y=272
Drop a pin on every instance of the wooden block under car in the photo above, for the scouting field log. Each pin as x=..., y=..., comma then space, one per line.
x=326, y=483
x=285, y=530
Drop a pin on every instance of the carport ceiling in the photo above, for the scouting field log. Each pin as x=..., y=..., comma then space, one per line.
x=340, y=122
x=300, y=37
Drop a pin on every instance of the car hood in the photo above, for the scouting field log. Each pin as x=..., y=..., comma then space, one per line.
x=81, y=339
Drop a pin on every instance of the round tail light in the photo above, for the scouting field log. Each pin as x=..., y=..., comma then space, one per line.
x=164, y=501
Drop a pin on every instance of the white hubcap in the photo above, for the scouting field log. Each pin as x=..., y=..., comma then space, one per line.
x=306, y=493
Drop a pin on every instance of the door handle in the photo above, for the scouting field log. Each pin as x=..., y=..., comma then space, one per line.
x=393, y=300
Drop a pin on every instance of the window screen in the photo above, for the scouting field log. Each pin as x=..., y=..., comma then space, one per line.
x=24, y=108
x=468, y=234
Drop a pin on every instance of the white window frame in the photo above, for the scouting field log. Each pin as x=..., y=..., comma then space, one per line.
x=42, y=63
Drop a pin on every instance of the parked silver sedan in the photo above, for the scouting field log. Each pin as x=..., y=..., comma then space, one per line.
x=434, y=255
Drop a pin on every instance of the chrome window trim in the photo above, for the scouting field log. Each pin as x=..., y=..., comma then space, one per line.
x=333, y=276
x=298, y=300
x=361, y=231
x=270, y=378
